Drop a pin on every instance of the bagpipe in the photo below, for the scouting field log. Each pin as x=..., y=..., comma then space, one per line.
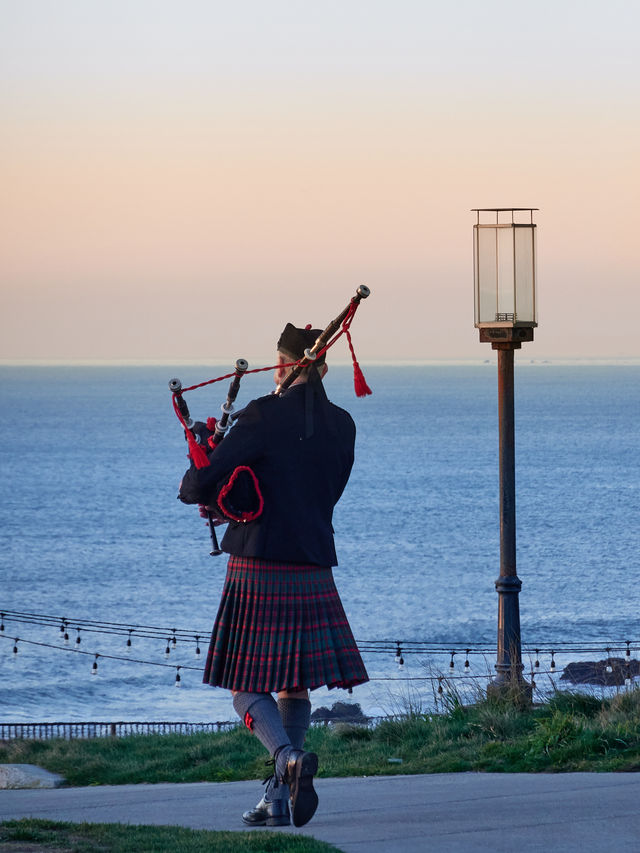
x=199, y=435
x=238, y=498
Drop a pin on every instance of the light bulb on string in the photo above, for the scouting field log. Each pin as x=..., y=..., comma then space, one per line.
x=1, y=621
x=451, y=663
x=167, y=651
x=78, y=638
x=173, y=639
x=608, y=667
x=440, y=688
x=467, y=665
x=537, y=663
x=553, y=660
x=15, y=648
x=94, y=668
x=129, y=638
x=628, y=652
x=178, y=678
x=197, y=646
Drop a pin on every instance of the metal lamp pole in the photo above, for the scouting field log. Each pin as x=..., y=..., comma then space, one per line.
x=509, y=666
x=505, y=314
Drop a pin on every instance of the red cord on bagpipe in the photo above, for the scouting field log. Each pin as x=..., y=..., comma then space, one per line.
x=197, y=452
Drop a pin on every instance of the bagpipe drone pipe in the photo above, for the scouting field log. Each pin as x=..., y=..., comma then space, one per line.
x=238, y=498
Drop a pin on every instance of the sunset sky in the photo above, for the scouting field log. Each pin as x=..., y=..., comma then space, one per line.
x=179, y=179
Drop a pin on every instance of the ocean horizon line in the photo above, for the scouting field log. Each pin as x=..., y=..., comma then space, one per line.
x=227, y=364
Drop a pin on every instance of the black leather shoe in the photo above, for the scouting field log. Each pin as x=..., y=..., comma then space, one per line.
x=266, y=813
x=298, y=775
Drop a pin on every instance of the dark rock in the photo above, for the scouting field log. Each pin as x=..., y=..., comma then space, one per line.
x=343, y=712
x=597, y=672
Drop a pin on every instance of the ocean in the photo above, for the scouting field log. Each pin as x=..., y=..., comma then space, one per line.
x=92, y=533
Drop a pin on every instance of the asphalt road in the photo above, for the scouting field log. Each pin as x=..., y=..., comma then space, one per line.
x=444, y=813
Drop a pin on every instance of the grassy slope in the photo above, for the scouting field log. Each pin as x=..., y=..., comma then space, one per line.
x=571, y=732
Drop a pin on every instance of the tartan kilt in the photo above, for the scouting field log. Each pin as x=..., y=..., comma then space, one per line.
x=281, y=626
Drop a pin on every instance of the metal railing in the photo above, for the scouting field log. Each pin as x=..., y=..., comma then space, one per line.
x=86, y=730
x=90, y=729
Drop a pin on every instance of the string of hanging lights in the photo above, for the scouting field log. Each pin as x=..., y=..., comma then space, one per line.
x=178, y=667
x=399, y=649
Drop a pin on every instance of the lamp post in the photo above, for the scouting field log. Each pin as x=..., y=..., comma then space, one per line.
x=504, y=255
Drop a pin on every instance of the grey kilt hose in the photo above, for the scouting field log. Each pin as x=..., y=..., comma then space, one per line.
x=281, y=626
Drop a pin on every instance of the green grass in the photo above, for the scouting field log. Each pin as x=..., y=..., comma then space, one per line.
x=571, y=732
x=211, y=757
x=45, y=835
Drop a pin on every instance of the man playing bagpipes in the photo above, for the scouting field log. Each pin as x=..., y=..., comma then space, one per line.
x=281, y=627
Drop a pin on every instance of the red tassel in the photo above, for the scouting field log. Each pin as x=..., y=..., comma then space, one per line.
x=197, y=453
x=359, y=382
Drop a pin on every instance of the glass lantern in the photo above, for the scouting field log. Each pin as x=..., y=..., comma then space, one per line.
x=504, y=266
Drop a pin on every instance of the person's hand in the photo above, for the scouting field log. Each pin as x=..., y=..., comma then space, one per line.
x=210, y=513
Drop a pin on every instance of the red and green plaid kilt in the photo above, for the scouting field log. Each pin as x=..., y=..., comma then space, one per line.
x=281, y=626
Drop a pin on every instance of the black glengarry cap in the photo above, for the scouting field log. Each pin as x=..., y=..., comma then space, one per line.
x=294, y=341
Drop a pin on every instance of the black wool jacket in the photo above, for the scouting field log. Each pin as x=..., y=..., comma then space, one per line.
x=301, y=478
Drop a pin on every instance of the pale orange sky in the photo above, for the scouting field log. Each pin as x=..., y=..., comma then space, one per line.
x=179, y=180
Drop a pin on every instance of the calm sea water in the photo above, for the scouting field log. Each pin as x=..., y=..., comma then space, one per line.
x=92, y=530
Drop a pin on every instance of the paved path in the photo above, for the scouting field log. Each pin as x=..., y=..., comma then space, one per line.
x=444, y=813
